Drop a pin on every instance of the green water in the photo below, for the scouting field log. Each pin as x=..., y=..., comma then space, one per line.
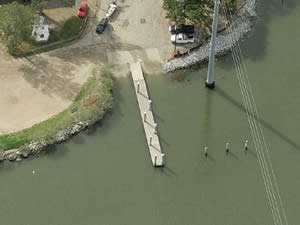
x=104, y=176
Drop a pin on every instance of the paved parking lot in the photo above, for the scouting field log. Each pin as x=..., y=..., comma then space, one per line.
x=137, y=30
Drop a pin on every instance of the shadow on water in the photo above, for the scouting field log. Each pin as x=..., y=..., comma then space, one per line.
x=266, y=12
x=209, y=157
x=206, y=118
x=264, y=123
x=157, y=116
x=166, y=171
x=57, y=151
x=53, y=152
x=100, y=127
x=7, y=167
x=232, y=155
x=60, y=150
x=103, y=127
x=254, y=45
x=78, y=139
x=250, y=152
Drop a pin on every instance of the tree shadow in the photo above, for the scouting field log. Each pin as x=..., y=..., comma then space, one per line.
x=50, y=78
x=55, y=151
x=6, y=166
x=93, y=48
x=254, y=44
x=78, y=139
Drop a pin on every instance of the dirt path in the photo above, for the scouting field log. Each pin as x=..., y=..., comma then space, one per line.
x=33, y=89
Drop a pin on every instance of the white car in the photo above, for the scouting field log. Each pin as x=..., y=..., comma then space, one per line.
x=182, y=38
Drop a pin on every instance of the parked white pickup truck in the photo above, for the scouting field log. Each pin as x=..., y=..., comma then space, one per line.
x=111, y=9
x=182, y=38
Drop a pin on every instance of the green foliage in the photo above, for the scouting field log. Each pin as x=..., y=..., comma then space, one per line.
x=198, y=12
x=38, y=5
x=69, y=3
x=232, y=5
x=16, y=22
x=95, y=97
x=71, y=27
x=175, y=10
x=91, y=104
x=43, y=130
x=57, y=39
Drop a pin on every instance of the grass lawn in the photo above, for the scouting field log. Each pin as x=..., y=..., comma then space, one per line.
x=70, y=29
x=93, y=101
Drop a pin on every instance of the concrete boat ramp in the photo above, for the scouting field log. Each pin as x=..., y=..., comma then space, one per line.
x=145, y=106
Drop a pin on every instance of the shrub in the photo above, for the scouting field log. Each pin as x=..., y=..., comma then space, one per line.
x=15, y=25
x=69, y=3
x=71, y=27
x=194, y=11
x=95, y=97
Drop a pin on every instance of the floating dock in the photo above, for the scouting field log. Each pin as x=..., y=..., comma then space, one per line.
x=145, y=106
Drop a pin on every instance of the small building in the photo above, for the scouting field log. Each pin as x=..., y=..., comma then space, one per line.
x=40, y=31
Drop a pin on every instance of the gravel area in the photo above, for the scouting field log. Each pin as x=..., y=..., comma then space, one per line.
x=242, y=24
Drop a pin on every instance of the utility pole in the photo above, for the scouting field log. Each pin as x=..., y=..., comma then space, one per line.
x=210, y=82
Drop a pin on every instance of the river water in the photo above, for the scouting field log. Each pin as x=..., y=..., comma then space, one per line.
x=104, y=176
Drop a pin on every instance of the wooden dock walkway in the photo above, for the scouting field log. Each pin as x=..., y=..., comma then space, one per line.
x=145, y=106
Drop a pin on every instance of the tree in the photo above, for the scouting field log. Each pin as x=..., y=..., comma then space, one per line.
x=199, y=12
x=38, y=5
x=16, y=22
x=175, y=10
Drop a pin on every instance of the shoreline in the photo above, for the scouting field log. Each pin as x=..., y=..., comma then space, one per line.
x=242, y=24
x=36, y=147
x=92, y=104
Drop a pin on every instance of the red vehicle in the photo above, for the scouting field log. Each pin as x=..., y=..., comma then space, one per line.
x=83, y=9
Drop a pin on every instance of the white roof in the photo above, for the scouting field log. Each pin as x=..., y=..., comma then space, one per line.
x=40, y=30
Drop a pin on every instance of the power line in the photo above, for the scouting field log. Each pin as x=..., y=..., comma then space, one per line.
x=256, y=129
